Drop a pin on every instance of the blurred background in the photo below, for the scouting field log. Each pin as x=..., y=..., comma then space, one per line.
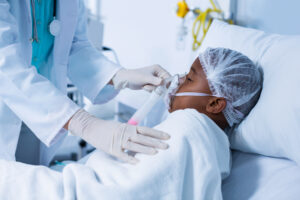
x=145, y=32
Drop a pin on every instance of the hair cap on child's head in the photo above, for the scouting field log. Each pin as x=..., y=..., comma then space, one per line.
x=235, y=77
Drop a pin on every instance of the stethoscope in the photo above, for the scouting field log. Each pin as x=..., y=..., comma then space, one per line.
x=54, y=26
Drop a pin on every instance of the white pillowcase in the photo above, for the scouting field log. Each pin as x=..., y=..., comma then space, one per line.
x=273, y=126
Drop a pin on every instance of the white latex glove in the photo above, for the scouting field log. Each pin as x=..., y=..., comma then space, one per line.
x=147, y=78
x=114, y=137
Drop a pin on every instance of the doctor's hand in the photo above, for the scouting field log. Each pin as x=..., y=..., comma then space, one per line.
x=147, y=78
x=114, y=137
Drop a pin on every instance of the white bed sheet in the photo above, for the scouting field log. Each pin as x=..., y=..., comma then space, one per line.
x=192, y=168
x=261, y=178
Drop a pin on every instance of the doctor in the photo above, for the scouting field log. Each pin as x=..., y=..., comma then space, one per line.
x=42, y=44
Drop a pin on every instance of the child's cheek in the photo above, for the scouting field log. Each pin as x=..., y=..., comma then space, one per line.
x=179, y=103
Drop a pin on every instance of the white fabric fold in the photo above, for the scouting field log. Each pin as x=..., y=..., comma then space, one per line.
x=192, y=168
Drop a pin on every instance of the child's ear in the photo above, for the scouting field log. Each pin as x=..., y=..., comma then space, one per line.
x=216, y=105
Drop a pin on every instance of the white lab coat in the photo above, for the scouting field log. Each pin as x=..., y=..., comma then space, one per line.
x=28, y=96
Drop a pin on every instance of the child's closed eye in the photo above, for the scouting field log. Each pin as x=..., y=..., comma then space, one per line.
x=189, y=79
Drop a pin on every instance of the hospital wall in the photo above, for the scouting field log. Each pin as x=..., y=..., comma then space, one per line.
x=145, y=32
x=273, y=16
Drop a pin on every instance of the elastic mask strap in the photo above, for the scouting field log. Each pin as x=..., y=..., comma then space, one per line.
x=192, y=94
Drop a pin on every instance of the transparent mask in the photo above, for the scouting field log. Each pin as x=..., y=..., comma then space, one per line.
x=173, y=87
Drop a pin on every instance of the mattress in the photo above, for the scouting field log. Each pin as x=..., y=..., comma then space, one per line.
x=260, y=177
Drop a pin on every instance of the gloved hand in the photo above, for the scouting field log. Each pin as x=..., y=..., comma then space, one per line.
x=114, y=137
x=146, y=78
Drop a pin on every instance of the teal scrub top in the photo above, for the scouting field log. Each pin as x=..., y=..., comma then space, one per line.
x=44, y=16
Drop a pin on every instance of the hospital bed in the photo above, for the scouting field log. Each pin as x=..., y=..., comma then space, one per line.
x=254, y=176
x=266, y=150
x=260, y=177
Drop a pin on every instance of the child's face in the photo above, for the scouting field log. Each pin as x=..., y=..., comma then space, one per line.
x=195, y=81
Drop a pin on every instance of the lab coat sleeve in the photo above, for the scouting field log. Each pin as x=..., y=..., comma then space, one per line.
x=33, y=98
x=89, y=70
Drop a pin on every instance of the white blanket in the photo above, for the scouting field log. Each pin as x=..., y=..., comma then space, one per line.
x=192, y=168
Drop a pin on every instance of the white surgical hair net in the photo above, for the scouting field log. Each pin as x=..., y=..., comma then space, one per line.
x=235, y=77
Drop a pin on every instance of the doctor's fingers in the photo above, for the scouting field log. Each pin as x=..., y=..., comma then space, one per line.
x=160, y=72
x=149, y=141
x=152, y=80
x=138, y=148
x=152, y=133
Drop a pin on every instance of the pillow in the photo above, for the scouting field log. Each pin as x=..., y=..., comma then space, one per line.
x=272, y=128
